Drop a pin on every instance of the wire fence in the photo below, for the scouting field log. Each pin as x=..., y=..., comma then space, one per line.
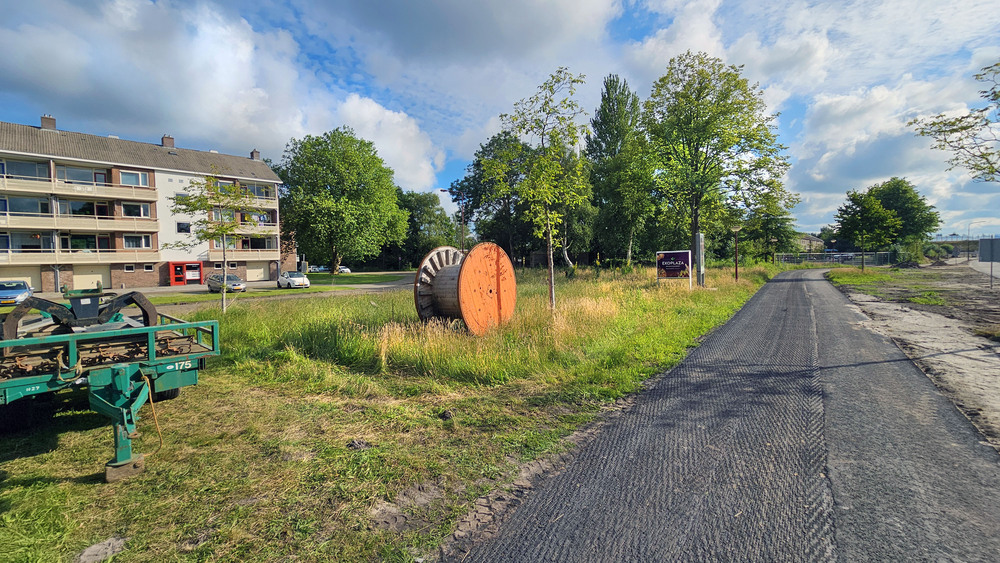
x=847, y=258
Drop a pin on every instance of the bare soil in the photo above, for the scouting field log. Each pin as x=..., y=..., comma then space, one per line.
x=943, y=339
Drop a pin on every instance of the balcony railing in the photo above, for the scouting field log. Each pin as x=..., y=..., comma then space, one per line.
x=258, y=254
x=258, y=229
x=265, y=202
x=51, y=221
x=83, y=189
x=51, y=256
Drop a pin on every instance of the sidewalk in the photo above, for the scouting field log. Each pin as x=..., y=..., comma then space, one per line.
x=407, y=279
x=984, y=267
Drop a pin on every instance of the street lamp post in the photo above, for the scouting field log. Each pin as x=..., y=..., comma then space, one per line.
x=461, y=222
x=968, y=241
x=736, y=232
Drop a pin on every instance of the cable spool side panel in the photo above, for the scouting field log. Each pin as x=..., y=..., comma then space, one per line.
x=487, y=288
x=424, y=294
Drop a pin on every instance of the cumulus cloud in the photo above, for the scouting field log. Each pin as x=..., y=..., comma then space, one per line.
x=400, y=142
x=196, y=71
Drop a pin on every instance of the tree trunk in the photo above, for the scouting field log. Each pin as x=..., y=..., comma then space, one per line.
x=565, y=251
x=551, y=261
x=628, y=253
x=335, y=260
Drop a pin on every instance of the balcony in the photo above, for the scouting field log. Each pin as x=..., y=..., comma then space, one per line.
x=47, y=186
x=46, y=221
x=247, y=255
x=258, y=229
x=265, y=202
x=48, y=256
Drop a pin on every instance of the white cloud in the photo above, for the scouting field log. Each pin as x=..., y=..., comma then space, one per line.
x=692, y=28
x=398, y=139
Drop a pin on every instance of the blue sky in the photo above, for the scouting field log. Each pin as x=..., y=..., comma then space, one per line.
x=426, y=81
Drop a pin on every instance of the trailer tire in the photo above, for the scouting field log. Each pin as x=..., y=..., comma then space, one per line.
x=167, y=395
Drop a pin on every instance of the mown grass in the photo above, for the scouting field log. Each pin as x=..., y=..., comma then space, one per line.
x=256, y=463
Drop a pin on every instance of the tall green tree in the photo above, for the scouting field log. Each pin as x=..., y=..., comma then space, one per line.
x=577, y=226
x=712, y=136
x=864, y=221
x=973, y=138
x=340, y=200
x=427, y=227
x=622, y=172
x=546, y=186
x=498, y=214
x=918, y=218
x=218, y=211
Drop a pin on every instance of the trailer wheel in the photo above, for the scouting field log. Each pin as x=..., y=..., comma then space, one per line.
x=167, y=395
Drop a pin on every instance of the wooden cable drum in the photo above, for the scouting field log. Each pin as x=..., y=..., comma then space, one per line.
x=479, y=288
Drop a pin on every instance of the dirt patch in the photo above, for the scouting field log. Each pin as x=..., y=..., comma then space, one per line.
x=102, y=551
x=405, y=514
x=940, y=337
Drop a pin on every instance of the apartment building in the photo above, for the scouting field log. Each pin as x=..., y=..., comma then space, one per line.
x=79, y=209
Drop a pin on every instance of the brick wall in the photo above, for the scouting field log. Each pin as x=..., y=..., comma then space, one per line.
x=49, y=279
x=120, y=279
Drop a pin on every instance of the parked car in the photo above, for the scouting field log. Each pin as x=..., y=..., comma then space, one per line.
x=316, y=269
x=13, y=292
x=233, y=283
x=292, y=279
x=343, y=270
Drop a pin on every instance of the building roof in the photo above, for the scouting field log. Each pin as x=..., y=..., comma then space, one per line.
x=56, y=144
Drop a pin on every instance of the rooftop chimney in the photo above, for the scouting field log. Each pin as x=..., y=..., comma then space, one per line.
x=48, y=122
x=167, y=141
x=255, y=154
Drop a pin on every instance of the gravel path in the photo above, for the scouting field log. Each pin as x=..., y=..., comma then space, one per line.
x=792, y=433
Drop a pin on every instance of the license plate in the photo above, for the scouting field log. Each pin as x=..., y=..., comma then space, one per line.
x=7, y=301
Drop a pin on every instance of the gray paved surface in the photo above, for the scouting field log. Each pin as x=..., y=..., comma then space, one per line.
x=984, y=267
x=791, y=434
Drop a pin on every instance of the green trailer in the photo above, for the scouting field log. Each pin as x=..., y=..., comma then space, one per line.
x=123, y=361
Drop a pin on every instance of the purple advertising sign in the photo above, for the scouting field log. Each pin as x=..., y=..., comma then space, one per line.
x=673, y=264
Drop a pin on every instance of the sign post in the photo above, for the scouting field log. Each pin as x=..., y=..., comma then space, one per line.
x=989, y=251
x=699, y=258
x=673, y=264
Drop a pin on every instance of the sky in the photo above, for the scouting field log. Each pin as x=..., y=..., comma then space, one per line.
x=426, y=81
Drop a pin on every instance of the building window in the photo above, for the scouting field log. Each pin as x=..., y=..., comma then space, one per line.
x=21, y=241
x=217, y=266
x=135, y=179
x=20, y=169
x=85, y=242
x=26, y=205
x=138, y=241
x=233, y=265
x=183, y=227
x=259, y=191
x=129, y=268
x=91, y=208
x=223, y=215
x=135, y=209
x=147, y=267
x=259, y=243
x=75, y=175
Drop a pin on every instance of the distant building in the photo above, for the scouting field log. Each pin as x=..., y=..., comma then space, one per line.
x=809, y=243
x=78, y=209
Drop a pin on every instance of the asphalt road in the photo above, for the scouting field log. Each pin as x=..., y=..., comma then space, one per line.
x=792, y=433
